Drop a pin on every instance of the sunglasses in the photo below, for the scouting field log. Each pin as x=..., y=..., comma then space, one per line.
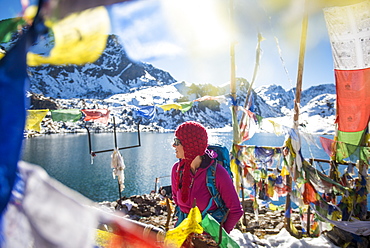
x=176, y=142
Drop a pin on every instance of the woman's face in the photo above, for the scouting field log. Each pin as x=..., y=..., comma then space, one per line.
x=179, y=149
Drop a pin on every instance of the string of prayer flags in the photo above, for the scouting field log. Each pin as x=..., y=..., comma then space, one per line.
x=97, y=115
x=34, y=119
x=348, y=39
x=66, y=115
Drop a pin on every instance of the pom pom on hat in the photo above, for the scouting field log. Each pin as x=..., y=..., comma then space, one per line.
x=194, y=139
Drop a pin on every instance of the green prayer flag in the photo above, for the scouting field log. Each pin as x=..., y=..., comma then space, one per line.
x=211, y=226
x=348, y=143
x=8, y=27
x=71, y=115
x=185, y=106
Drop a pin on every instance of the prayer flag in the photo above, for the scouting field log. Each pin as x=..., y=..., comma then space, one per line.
x=185, y=106
x=34, y=119
x=30, y=219
x=211, y=226
x=175, y=237
x=277, y=128
x=309, y=194
x=248, y=125
x=13, y=77
x=167, y=107
x=45, y=213
x=97, y=115
x=328, y=145
x=146, y=112
x=220, y=99
x=353, y=99
x=72, y=115
x=79, y=39
x=8, y=27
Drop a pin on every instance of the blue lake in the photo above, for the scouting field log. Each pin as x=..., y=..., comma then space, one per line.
x=67, y=159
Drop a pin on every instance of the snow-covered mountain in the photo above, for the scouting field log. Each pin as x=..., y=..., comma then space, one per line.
x=112, y=73
x=121, y=85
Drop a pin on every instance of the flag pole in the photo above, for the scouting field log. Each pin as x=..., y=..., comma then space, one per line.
x=233, y=98
x=296, y=111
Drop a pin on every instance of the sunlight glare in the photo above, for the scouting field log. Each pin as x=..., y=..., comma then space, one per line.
x=201, y=25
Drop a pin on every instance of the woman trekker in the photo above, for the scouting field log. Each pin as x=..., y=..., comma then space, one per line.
x=189, y=177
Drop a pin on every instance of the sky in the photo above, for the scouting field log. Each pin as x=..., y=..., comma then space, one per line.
x=208, y=60
x=200, y=33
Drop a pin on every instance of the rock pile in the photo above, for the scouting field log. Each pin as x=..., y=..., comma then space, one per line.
x=152, y=209
x=267, y=222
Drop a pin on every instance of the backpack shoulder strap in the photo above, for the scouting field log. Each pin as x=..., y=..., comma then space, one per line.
x=211, y=179
x=211, y=185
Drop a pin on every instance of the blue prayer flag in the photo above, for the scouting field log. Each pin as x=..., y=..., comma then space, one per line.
x=146, y=112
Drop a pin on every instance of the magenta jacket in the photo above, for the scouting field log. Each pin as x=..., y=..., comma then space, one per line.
x=200, y=192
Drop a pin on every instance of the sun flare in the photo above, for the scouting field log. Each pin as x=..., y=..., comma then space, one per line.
x=203, y=26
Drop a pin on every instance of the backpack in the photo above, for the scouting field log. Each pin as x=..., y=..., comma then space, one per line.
x=223, y=158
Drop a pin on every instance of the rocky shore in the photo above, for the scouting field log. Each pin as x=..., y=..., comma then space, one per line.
x=152, y=209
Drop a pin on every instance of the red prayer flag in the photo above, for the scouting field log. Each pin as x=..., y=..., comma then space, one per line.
x=328, y=145
x=97, y=115
x=309, y=194
x=353, y=99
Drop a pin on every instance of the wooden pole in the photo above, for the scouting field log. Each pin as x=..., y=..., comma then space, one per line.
x=233, y=92
x=296, y=107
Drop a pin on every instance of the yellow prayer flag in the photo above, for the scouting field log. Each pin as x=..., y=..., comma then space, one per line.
x=176, y=237
x=34, y=118
x=170, y=106
x=234, y=169
x=284, y=171
x=273, y=207
x=80, y=38
x=277, y=128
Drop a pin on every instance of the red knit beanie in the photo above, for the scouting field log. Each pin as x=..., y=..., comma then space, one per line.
x=194, y=139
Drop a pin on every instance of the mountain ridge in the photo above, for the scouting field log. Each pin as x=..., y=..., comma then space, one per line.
x=114, y=82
